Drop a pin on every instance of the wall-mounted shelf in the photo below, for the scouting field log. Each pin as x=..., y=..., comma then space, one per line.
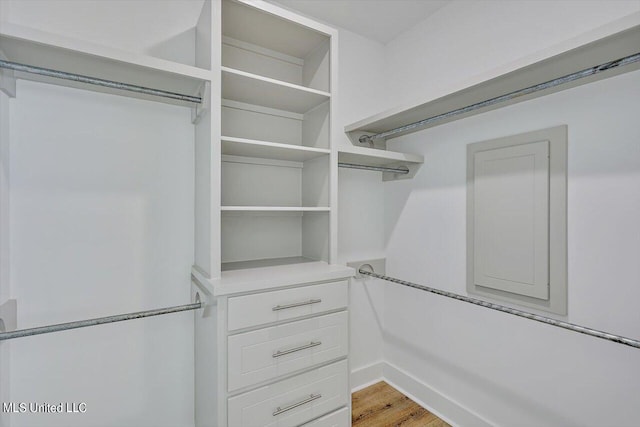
x=251, y=88
x=37, y=48
x=269, y=150
x=609, y=43
x=377, y=157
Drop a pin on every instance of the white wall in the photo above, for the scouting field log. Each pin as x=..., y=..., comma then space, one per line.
x=360, y=215
x=468, y=38
x=4, y=247
x=511, y=371
x=166, y=32
x=101, y=224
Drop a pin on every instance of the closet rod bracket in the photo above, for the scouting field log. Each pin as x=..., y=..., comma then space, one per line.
x=9, y=315
x=198, y=110
x=7, y=80
x=370, y=265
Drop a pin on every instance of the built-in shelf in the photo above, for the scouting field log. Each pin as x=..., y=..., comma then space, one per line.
x=41, y=49
x=274, y=209
x=285, y=273
x=248, y=23
x=269, y=150
x=276, y=168
x=259, y=263
x=251, y=88
x=608, y=43
x=378, y=157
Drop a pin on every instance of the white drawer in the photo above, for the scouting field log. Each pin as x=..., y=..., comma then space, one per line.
x=335, y=419
x=293, y=401
x=267, y=307
x=270, y=352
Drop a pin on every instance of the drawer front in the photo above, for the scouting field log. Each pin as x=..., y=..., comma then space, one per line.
x=293, y=401
x=267, y=307
x=336, y=419
x=270, y=352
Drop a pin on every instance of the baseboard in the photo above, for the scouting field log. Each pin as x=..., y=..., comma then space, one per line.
x=444, y=407
x=366, y=376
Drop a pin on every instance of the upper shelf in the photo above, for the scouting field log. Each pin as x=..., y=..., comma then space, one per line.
x=608, y=43
x=254, y=89
x=37, y=48
x=258, y=24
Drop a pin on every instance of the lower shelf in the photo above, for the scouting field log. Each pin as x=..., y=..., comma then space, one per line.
x=253, y=239
x=269, y=262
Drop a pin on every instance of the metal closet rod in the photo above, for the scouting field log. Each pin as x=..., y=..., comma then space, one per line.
x=553, y=322
x=97, y=82
x=627, y=60
x=99, y=321
x=401, y=170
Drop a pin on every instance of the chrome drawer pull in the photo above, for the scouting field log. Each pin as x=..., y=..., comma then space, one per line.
x=296, y=304
x=309, y=399
x=293, y=350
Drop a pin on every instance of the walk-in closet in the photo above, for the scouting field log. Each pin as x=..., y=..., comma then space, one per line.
x=319, y=213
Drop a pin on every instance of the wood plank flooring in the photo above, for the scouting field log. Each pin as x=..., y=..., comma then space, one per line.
x=381, y=405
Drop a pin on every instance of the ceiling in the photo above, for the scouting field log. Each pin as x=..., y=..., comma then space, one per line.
x=380, y=20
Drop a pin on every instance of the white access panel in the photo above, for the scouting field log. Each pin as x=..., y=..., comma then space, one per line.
x=511, y=219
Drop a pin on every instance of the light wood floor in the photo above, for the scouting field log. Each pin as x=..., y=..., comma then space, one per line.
x=381, y=405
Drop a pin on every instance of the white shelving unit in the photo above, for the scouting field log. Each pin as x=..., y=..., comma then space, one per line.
x=266, y=216
x=277, y=162
x=603, y=45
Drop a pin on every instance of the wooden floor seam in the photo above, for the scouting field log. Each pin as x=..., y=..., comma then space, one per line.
x=381, y=405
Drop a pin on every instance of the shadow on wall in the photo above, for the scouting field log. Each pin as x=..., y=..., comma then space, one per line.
x=482, y=385
x=373, y=282
x=178, y=48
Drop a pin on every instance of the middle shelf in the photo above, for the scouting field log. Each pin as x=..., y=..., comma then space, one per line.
x=267, y=92
x=269, y=150
x=249, y=182
x=274, y=211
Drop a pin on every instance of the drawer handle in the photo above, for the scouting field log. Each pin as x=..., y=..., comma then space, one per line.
x=293, y=350
x=296, y=304
x=309, y=399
